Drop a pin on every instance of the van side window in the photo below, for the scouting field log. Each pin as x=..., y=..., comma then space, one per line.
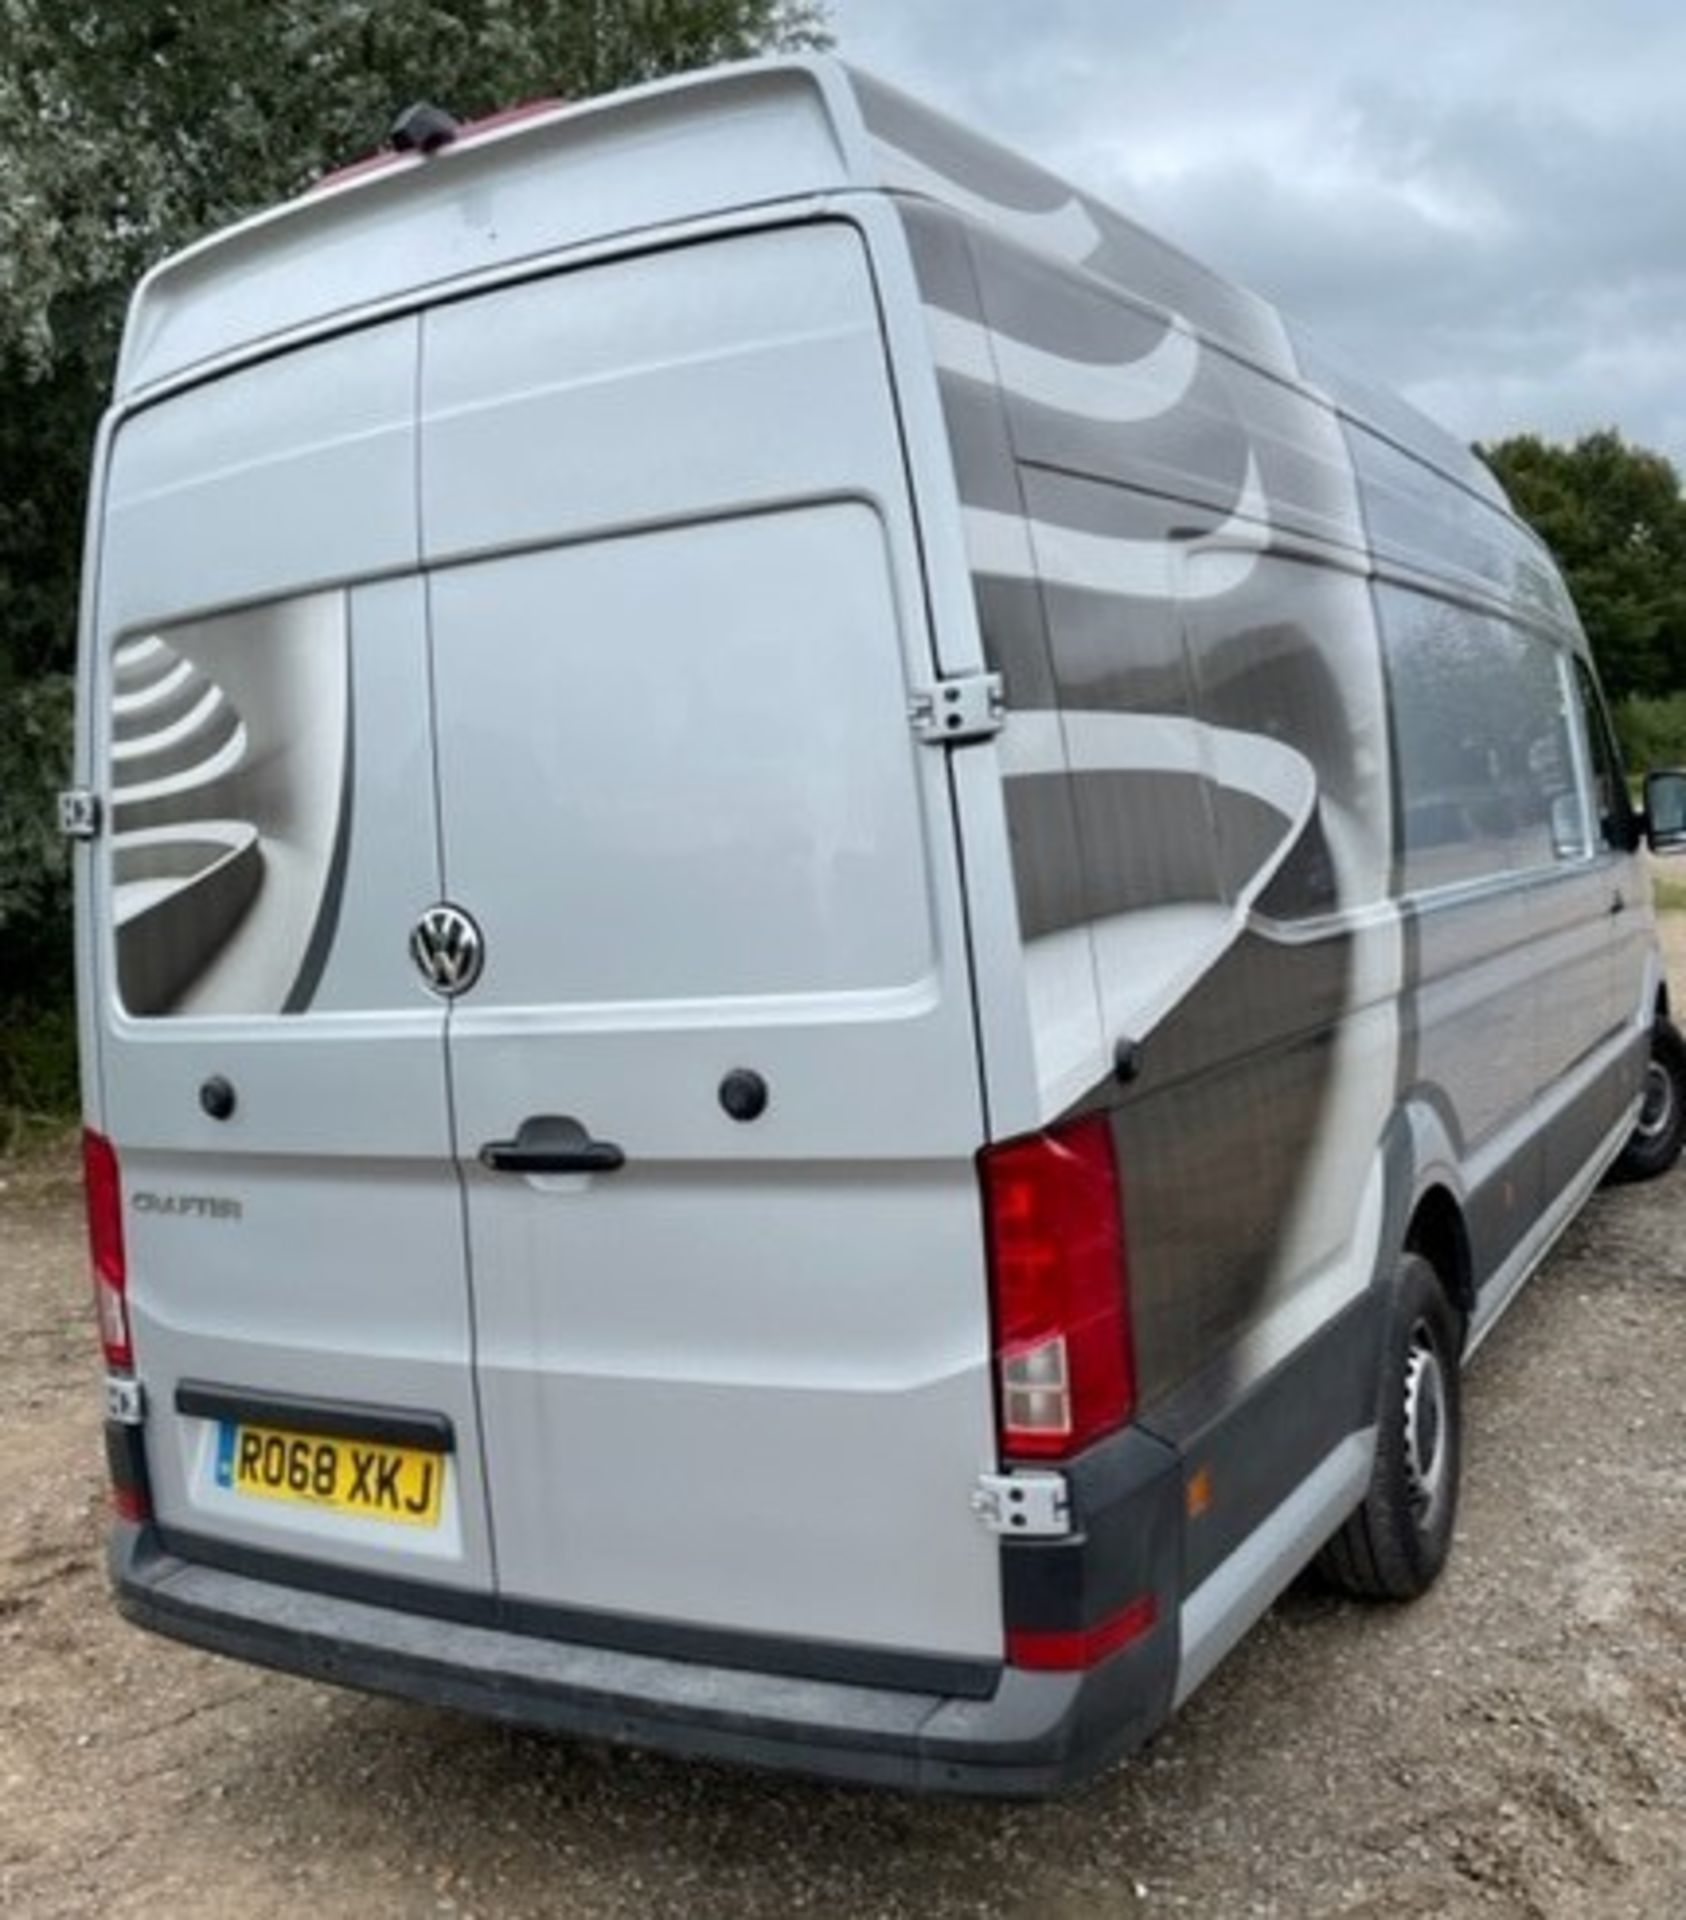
x=1615, y=815
x=1486, y=776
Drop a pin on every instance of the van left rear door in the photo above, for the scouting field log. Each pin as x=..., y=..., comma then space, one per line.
x=272, y=1066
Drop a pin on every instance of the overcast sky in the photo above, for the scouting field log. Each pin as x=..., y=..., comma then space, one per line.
x=1483, y=203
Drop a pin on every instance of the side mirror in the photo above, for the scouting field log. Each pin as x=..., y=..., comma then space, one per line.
x=1665, y=811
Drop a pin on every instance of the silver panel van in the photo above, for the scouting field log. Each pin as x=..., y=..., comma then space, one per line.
x=835, y=934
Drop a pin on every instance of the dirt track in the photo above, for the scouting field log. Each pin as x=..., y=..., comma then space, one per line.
x=1514, y=1744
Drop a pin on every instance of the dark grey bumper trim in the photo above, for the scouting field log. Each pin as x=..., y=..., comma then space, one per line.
x=874, y=1667
x=1037, y=1733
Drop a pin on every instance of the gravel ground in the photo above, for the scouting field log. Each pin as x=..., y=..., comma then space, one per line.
x=1513, y=1744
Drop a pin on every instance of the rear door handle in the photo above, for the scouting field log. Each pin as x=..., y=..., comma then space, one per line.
x=550, y=1143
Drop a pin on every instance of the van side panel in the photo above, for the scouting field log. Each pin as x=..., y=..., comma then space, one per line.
x=1222, y=743
x=1202, y=532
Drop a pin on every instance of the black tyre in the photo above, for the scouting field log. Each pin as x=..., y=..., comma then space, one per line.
x=1660, y=1131
x=1394, y=1546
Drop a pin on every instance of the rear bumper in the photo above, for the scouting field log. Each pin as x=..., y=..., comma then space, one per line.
x=1035, y=1734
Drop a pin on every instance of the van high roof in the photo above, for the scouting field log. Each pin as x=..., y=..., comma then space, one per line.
x=531, y=186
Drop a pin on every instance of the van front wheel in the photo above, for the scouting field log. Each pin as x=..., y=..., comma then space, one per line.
x=1660, y=1131
x=1394, y=1546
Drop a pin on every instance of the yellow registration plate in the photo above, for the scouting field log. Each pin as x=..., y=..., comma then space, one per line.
x=369, y=1478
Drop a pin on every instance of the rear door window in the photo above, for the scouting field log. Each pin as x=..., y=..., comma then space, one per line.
x=681, y=763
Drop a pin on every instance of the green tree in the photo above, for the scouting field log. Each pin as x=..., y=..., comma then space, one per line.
x=128, y=129
x=1613, y=516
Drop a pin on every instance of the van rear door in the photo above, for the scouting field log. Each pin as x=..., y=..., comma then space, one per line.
x=272, y=1067
x=716, y=1092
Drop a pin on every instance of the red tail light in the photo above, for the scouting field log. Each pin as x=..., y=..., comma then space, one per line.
x=129, y=1503
x=1070, y=1651
x=103, y=1187
x=1066, y=1374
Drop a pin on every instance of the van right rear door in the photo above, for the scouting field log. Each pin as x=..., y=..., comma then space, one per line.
x=733, y=1347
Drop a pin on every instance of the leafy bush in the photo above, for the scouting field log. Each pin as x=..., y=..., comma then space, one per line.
x=37, y=1028
x=38, y=1088
x=34, y=862
x=1652, y=732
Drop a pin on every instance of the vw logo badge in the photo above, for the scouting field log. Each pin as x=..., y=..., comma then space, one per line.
x=446, y=945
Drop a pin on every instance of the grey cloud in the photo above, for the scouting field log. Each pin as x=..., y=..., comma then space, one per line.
x=1551, y=305
x=1478, y=205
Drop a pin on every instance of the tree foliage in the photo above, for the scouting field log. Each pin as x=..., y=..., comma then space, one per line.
x=1652, y=731
x=1613, y=515
x=127, y=130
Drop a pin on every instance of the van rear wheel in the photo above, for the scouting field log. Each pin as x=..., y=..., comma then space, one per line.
x=1660, y=1131
x=1394, y=1546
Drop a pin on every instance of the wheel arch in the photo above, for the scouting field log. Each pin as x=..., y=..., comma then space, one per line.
x=1438, y=1231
